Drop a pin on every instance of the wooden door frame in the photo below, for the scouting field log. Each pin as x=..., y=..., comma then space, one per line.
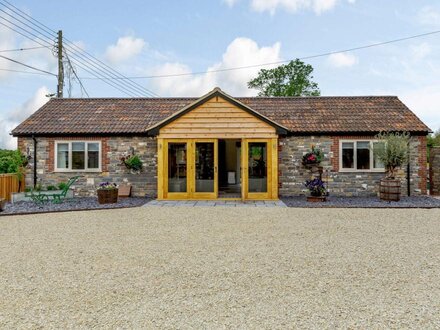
x=162, y=169
x=162, y=173
x=203, y=195
x=272, y=170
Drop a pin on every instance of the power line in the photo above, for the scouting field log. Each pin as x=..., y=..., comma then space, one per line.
x=108, y=82
x=28, y=66
x=27, y=31
x=74, y=72
x=21, y=49
x=19, y=71
x=89, y=59
x=281, y=62
x=115, y=75
x=23, y=34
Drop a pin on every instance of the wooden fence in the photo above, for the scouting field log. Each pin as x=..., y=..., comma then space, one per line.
x=9, y=183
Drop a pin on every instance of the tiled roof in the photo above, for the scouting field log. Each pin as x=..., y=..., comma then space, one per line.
x=297, y=114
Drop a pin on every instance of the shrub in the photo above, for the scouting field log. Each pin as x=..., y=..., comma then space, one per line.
x=132, y=162
x=50, y=187
x=38, y=187
x=62, y=185
x=393, y=151
x=12, y=161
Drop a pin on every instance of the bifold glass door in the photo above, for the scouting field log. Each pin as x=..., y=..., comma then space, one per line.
x=191, y=169
x=205, y=165
x=177, y=169
x=260, y=171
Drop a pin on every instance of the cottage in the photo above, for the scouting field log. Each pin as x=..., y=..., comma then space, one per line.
x=219, y=146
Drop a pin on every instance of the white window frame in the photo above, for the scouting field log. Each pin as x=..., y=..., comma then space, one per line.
x=69, y=142
x=354, y=169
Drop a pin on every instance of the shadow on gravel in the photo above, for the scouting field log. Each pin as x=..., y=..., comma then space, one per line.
x=74, y=204
x=364, y=202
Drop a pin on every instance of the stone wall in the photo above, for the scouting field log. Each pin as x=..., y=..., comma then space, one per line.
x=143, y=183
x=292, y=174
x=435, y=170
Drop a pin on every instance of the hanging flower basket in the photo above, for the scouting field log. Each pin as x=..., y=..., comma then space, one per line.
x=312, y=158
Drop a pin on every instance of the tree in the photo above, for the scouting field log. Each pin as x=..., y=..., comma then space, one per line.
x=433, y=140
x=392, y=151
x=292, y=79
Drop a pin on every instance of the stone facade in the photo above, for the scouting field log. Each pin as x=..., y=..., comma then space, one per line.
x=113, y=148
x=434, y=163
x=292, y=174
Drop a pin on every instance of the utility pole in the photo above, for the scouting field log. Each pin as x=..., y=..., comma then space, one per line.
x=60, y=86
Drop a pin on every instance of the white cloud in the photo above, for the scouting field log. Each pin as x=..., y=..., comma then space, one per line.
x=318, y=6
x=425, y=102
x=12, y=118
x=240, y=52
x=230, y=3
x=429, y=15
x=420, y=51
x=40, y=58
x=125, y=48
x=340, y=60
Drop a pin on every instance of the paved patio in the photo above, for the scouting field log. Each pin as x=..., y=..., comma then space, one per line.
x=223, y=203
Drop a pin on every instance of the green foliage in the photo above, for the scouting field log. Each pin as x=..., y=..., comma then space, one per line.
x=292, y=79
x=393, y=152
x=62, y=185
x=133, y=162
x=434, y=139
x=51, y=187
x=313, y=157
x=38, y=187
x=27, y=189
x=12, y=161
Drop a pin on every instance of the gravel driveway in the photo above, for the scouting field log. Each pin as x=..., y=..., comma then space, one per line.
x=221, y=268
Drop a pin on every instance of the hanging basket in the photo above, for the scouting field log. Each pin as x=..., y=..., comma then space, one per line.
x=107, y=196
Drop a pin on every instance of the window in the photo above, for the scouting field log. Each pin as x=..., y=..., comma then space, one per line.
x=78, y=156
x=359, y=156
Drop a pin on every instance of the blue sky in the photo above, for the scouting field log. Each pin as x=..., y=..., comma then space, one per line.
x=140, y=38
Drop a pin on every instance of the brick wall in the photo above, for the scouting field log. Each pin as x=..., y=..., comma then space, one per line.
x=144, y=183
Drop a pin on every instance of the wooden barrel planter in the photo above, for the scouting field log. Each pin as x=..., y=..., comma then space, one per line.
x=389, y=190
x=107, y=196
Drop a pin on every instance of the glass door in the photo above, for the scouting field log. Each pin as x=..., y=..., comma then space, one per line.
x=258, y=157
x=177, y=168
x=205, y=172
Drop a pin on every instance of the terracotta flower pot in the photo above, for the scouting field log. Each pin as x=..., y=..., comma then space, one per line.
x=107, y=196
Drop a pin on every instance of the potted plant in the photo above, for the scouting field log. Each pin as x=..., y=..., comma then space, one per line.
x=312, y=158
x=317, y=190
x=107, y=193
x=392, y=151
x=132, y=162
